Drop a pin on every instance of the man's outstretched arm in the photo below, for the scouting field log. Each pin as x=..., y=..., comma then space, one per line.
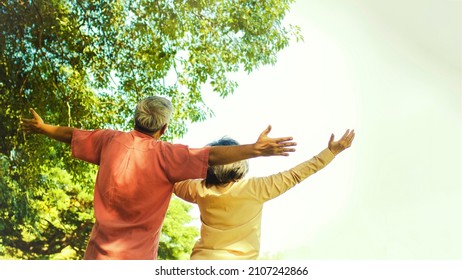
x=264, y=146
x=36, y=125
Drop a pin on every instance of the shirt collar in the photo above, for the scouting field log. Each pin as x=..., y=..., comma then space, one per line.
x=140, y=134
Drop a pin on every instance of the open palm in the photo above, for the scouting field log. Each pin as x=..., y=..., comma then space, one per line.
x=343, y=143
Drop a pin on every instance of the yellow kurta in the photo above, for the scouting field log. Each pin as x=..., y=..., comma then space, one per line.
x=231, y=214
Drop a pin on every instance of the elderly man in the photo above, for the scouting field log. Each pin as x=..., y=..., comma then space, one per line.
x=137, y=172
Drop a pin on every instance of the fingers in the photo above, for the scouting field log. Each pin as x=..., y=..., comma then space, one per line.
x=284, y=148
x=282, y=151
x=29, y=125
x=23, y=120
x=286, y=151
x=347, y=138
x=350, y=138
x=26, y=124
x=345, y=135
x=351, y=135
x=284, y=145
x=282, y=140
x=287, y=144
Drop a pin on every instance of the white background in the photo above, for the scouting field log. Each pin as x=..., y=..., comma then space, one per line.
x=392, y=71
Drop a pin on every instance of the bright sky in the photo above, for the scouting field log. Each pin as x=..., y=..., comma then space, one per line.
x=392, y=71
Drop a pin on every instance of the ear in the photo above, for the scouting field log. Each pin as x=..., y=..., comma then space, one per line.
x=163, y=129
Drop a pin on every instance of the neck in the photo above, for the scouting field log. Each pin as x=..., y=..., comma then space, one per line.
x=152, y=134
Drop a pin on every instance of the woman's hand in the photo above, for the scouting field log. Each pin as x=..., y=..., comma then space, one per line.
x=345, y=142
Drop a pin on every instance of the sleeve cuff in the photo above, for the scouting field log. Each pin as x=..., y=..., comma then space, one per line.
x=326, y=155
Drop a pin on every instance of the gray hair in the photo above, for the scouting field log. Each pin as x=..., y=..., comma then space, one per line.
x=222, y=174
x=152, y=113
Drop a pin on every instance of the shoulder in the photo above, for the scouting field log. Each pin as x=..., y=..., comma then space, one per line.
x=95, y=135
x=96, y=131
x=173, y=146
x=181, y=148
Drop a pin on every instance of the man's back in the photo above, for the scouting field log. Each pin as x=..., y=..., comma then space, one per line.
x=132, y=189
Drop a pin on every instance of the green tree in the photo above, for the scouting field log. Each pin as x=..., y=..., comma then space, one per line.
x=85, y=63
x=178, y=234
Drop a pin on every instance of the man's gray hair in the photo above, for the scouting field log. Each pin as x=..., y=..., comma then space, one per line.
x=218, y=175
x=152, y=113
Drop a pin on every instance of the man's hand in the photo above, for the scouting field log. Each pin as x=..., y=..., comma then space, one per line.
x=345, y=142
x=264, y=146
x=36, y=125
x=273, y=146
x=32, y=125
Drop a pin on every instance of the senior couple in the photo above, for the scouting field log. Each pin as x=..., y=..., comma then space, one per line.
x=138, y=173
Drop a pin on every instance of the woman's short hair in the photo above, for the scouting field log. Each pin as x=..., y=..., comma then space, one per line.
x=152, y=113
x=218, y=175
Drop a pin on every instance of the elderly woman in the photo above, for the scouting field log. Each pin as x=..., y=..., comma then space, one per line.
x=231, y=207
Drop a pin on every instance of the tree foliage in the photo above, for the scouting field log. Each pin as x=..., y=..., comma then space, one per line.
x=178, y=234
x=85, y=63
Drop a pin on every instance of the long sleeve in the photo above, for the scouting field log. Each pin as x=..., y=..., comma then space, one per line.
x=266, y=188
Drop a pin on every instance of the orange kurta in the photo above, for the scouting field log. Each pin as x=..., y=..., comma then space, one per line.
x=231, y=214
x=133, y=188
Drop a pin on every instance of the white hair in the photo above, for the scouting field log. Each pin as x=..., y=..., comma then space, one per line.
x=219, y=175
x=152, y=113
